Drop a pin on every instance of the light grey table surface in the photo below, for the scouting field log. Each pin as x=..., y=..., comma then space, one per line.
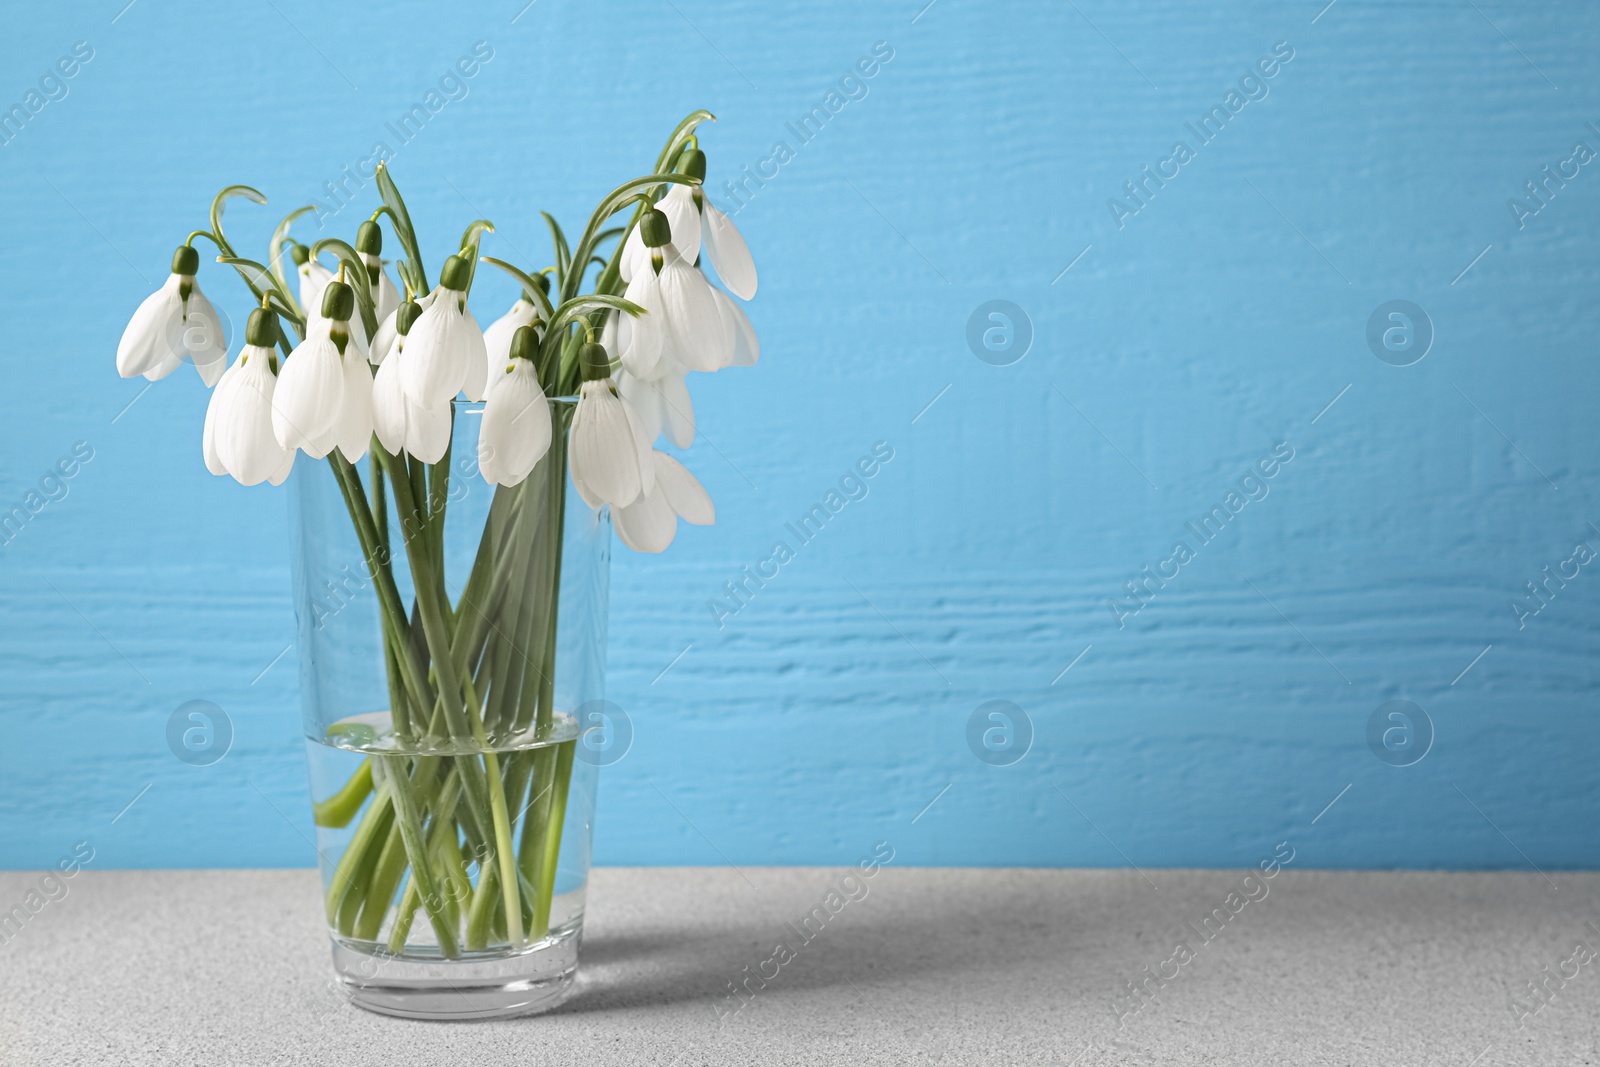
x=1019, y=967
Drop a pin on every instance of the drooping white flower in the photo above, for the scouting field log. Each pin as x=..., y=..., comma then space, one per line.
x=173, y=324
x=355, y=415
x=239, y=438
x=516, y=427
x=741, y=346
x=310, y=397
x=497, y=338
x=683, y=215
x=650, y=522
x=638, y=342
x=314, y=278
x=445, y=352
x=691, y=325
x=662, y=403
x=607, y=448
x=726, y=250
x=402, y=426
x=383, y=338
x=369, y=245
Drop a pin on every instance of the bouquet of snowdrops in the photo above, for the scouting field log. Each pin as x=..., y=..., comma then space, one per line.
x=344, y=363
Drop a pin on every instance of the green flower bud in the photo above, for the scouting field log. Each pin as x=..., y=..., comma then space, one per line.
x=338, y=301
x=406, y=317
x=525, y=344
x=185, y=260
x=262, y=329
x=299, y=253
x=542, y=280
x=596, y=364
x=693, y=164
x=655, y=229
x=369, y=238
x=456, y=274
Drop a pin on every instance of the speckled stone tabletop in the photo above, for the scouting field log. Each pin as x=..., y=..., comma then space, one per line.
x=927, y=967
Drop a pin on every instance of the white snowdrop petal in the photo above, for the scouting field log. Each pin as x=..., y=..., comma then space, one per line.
x=355, y=418
x=245, y=438
x=684, y=218
x=433, y=367
x=387, y=297
x=604, y=446
x=677, y=408
x=309, y=396
x=646, y=525
x=691, y=323
x=208, y=435
x=383, y=339
x=683, y=491
x=141, y=346
x=497, y=338
x=635, y=256
x=516, y=428
x=647, y=470
x=314, y=278
x=640, y=339
x=469, y=338
x=201, y=338
x=645, y=400
x=728, y=253
x=389, y=407
x=165, y=364
x=282, y=472
x=428, y=431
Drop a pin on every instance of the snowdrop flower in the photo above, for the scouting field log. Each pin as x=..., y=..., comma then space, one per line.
x=238, y=438
x=697, y=225
x=401, y=426
x=741, y=347
x=516, y=416
x=383, y=340
x=662, y=403
x=638, y=341
x=369, y=243
x=310, y=397
x=497, y=338
x=650, y=522
x=683, y=216
x=445, y=354
x=678, y=304
x=174, y=323
x=609, y=453
x=724, y=245
x=314, y=278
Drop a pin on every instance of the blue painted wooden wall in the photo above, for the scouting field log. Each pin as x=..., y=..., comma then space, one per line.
x=1181, y=323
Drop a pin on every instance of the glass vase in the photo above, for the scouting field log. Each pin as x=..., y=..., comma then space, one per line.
x=451, y=637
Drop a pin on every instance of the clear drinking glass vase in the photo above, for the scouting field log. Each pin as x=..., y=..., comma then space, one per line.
x=451, y=637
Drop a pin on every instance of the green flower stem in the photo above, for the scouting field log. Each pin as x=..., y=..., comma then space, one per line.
x=552, y=838
x=481, y=910
x=502, y=826
x=443, y=823
x=416, y=847
x=372, y=826
x=336, y=811
x=361, y=871
x=380, y=887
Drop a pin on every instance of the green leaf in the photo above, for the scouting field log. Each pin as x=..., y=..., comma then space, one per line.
x=680, y=137
x=474, y=233
x=572, y=310
x=262, y=283
x=220, y=201
x=558, y=241
x=402, y=227
x=530, y=289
